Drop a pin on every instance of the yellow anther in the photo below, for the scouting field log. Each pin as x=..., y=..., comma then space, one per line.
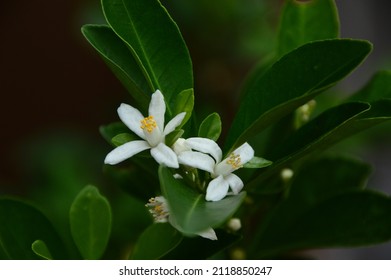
x=234, y=161
x=148, y=124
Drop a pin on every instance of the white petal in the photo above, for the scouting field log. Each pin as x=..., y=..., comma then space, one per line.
x=172, y=124
x=209, y=234
x=246, y=153
x=197, y=160
x=180, y=146
x=126, y=151
x=205, y=145
x=217, y=189
x=154, y=137
x=235, y=183
x=164, y=155
x=131, y=117
x=157, y=108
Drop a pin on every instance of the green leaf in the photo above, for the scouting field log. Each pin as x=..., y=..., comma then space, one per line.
x=379, y=87
x=155, y=42
x=120, y=60
x=292, y=81
x=123, y=138
x=190, y=248
x=90, y=221
x=346, y=220
x=21, y=225
x=210, y=127
x=110, y=131
x=156, y=241
x=173, y=136
x=184, y=102
x=40, y=249
x=315, y=136
x=257, y=162
x=190, y=213
x=303, y=22
x=315, y=182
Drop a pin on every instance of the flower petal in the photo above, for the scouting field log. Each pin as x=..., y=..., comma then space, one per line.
x=172, y=124
x=197, y=160
x=217, y=189
x=246, y=153
x=157, y=108
x=235, y=183
x=208, y=233
x=180, y=146
x=205, y=145
x=164, y=155
x=126, y=151
x=131, y=117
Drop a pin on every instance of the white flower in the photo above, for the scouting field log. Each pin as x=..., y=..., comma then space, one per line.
x=220, y=170
x=158, y=207
x=151, y=129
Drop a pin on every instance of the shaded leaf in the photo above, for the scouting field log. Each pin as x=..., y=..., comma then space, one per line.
x=123, y=138
x=292, y=81
x=109, y=131
x=379, y=87
x=21, y=225
x=90, y=221
x=303, y=22
x=156, y=241
x=189, y=248
x=315, y=136
x=346, y=220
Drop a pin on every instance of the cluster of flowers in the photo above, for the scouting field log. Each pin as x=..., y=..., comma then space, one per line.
x=195, y=152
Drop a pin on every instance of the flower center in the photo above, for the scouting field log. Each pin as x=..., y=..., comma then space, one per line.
x=234, y=161
x=148, y=124
x=158, y=208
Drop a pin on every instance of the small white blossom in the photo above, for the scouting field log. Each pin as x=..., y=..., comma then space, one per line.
x=158, y=207
x=220, y=170
x=151, y=129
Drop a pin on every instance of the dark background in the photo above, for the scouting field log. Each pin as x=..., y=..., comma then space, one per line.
x=56, y=91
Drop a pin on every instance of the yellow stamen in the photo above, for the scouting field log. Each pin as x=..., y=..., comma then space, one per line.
x=148, y=123
x=157, y=208
x=234, y=161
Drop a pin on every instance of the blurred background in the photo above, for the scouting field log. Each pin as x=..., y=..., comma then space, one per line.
x=57, y=91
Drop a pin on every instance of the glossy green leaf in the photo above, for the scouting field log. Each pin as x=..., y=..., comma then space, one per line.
x=184, y=102
x=303, y=22
x=350, y=219
x=90, y=221
x=257, y=162
x=40, y=249
x=120, y=60
x=210, y=127
x=292, y=81
x=190, y=213
x=156, y=241
x=110, y=131
x=21, y=225
x=123, y=138
x=155, y=41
